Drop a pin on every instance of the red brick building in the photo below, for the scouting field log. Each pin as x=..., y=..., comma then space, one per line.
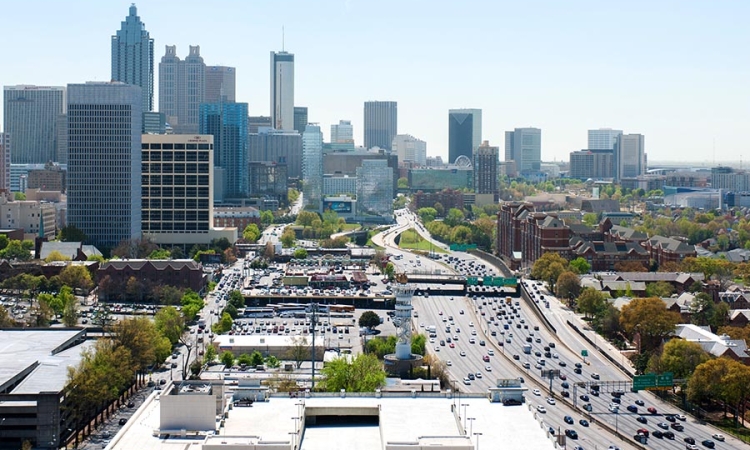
x=449, y=198
x=180, y=273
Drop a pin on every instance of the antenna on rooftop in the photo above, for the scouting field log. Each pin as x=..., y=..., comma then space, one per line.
x=282, y=38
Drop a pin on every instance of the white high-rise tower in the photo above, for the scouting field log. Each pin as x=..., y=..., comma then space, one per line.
x=282, y=90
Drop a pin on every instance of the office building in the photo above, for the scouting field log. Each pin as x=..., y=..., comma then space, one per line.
x=381, y=124
x=594, y=164
x=51, y=178
x=182, y=86
x=221, y=84
x=374, y=189
x=524, y=146
x=228, y=123
x=5, y=162
x=300, y=118
x=485, y=168
x=464, y=132
x=409, y=148
x=277, y=147
x=312, y=165
x=29, y=117
x=133, y=57
x=61, y=139
x=342, y=133
x=268, y=180
x=336, y=185
x=727, y=178
x=436, y=179
x=282, y=90
x=629, y=156
x=255, y=123
x=155, y=123
x=346, y=163
x=104, y=169
x=603, y=138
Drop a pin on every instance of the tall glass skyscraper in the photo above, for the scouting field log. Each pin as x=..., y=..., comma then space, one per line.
x=375, y=189
x=182, y=88
x=282, y=90
x=133, y=57
x=381, y=124
x=104, y=161
x=300, y=118
x=524, y=146
x=227, y=123
x=312, y=165
x=30, y=116
x=464, y=133
x=629, y=156
x=603, y=139
x=220, y=84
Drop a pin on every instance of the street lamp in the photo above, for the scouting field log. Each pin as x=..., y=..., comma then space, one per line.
x=464, y=405
x=477, y=435
x=293, y=434
x=471, y=424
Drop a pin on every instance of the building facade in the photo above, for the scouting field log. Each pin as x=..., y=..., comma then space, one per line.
x=268, y=179
x=182, y=86
x=630, y=156
x=278, y=147
x=227, y=123
x=409, y=148
x=282, y=90
x=133, y=57
x=436, y=179
x=104, y=169
x=30, y=116
x=312, y=164
x=221, y=84
x=486, y=158
x=336, y=185
x=300, y=119
x=51, y=178
x=603, y=138
x=381, y=124
x=375, y=189
x=61, y=139
x=524, y=146
x=236, y=217
x=464, y=133
x=155, y=123
x=255, y=123
x=36, y=219
x=594, y=164
x=5, y=161
x=343, y=133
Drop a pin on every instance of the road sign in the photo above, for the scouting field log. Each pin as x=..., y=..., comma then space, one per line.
x=584, y=353
x=653, y=381
x=665, y=380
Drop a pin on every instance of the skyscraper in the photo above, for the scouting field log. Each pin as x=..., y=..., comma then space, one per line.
x=524, y=146
x=486, y=159
x=342, y=133
x=133, y=57
x=282, y=90
x=182, y=87
x=300, y=118
x=5, y=161
x=630, y=156
x=374, y=188
x=104, y=161
x=464, y=132
x=30, y=115
x=409, y=148
x=228, y=124
x=381, y=124
x=278, y=147
x=603, y=139
x=312, y=165
x=61, y=139
x=220, y=84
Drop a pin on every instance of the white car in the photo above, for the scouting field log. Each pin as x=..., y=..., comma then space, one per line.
x=437, y=348
x=718, y=437
x=488, y=368
x=550, y=400
x=490, y=352
x=472, y=341
x=541, y=409
x=471, y=324
x=536, y=392
x=449, y=363
x=467, y=381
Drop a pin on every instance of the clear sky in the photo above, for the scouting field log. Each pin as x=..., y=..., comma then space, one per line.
x=673, y=70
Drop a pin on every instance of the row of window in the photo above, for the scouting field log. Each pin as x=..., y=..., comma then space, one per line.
x=168, y=216
x=169, y=168
x=178, y=156
x=190, y=191
x=178, y=203
x=176, y=226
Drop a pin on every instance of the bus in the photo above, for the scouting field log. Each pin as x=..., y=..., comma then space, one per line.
x=258, y=312
x=288, y=309
x=341, y=309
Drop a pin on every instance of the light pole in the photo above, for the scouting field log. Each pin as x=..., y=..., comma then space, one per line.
x=313, y=324
x=471, y=424
x=293, y=434
x=296, y=418
x=477, y=435
x=464, y=405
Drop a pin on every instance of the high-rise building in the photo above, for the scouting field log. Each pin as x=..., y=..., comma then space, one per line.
x=30, y=115
x=342, y=133
x=5, y=161
x=155, y=123
x=374, y=188
x=133, y=57
x=278, y=147
x=464, y=132
x=182, y=87
x=486, y=158
x=221, y=84
x=594, y=164
x=409, y=148
x=255, y=123
x=282, y=90
x=61, y=139
x=381, y=124
x=177, y=201
x=603, y=139
x=300, y=119
x=104, y=161
x=524, y=146
x=227, y=123
x=312, y=165
x=629, y=156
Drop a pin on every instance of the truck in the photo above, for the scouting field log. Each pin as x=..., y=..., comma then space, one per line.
x=527, y=349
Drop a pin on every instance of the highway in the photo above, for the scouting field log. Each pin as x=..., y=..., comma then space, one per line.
x=510, y=361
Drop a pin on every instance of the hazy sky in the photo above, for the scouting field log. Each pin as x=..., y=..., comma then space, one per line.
x=675, y=71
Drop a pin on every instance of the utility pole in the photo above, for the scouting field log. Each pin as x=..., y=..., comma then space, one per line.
x=313, y=324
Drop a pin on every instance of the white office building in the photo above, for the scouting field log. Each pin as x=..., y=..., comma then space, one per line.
x=282, y=91
x=630, y=156
x=603, y=139
x=409, y=148
x=312, y=164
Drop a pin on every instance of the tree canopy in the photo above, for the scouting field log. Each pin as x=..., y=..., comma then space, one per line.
x=363, y=374
x=649, y=317
x=548, y=268
x=369, y=319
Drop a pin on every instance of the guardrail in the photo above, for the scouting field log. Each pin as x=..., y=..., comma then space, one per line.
x=600, y=350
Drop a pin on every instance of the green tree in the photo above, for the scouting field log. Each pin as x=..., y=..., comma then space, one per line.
x=427, y=214
x=306, y=218
x=661, y=289
x=461, y=234
x=54, y=255
x=170, y=323
x=418, y=344
x=288, y=237
x=363, y=374
x=679, y=357
x=272, y=362
x=369, y=319
x=251, y=233
x=568, y=286
x=160, y=253
x=403, y=183
x=590, y=219
x=237, y=299
x=701, y=309
x=649, y=317
x=455, y=217
x=210, y=355
x=266, y=218
x=548, y=268
x=256, y=359
x=227, y=358
x=591, y=302
x=139, y=335
x=15, y=250
x=223, y=325
x=580, y=266
x=300, y=253
x=70, y=306
x=389, y=270
x=77, y=277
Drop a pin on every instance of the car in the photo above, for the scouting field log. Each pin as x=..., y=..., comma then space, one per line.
x=708, y=443
x=536, y=392
x=508, y=341
x=488, y=368
x=632, y=408
x=642, y=431
x=550, y=401
x=669, y=417
x=657, y=434
x=551, y=431
x=588, y=407
x=616, y=400
x=681, y=417
x=516, y=357
x=452, y=345
x=461, y=311
x=651, y=410
x=449, y=363
x=689, y=440
x=595, y=376
x=437, y=348
x=123, y=421
x=668, y=435
x=541, y=409
x=490, y=352
x=565, y=394
x=641, y=419
x=678, y=427
x=472, y=341
x=467, y=381
x=595, y=393
x=571, y=434
x=577, y=370
x=663, y=425
x=639, y=402
x=478, y=375
x=563, y=376
x=565, y=385
x=718, y=437
x=471, y=324
x=584, y=397
x=471, y=376
x=131, y=404
x=462, y=353
x=691, y=447
x=614, y=407
x=482, y=343
x=568, y=420
x=163, y=381
x=578, y=365
x=526, y=365
x=584, y=422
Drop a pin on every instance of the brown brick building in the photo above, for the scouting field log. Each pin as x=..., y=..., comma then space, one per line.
x=180, y=273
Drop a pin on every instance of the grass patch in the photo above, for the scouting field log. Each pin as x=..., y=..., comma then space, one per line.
x=411, y=240
x=349, y=226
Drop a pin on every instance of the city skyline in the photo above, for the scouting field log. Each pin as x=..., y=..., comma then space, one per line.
x=659, y=82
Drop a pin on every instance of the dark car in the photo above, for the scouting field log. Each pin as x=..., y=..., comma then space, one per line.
x=668, y=435
x=123, y=421
x=565, y=394
x=669, y=418
x=639, y=402
x=594, y=393
x=633, y=408
x=551, y=431
x=689, y=440
x=616, y=400
x=677, y=427
x=641, y=419
x=577, y=370
x=568, y=420
x=584, y=422
x=663, y=425
x=584, y=397
x=516, y=357
x=708, y=443
x=565, y=385
x=657, y=434
x=571, y=434
x=578, y=365
x=131, y=404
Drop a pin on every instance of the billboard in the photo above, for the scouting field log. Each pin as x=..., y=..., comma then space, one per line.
x=337, y=206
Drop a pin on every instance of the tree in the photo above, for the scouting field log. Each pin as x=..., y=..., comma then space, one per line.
x=403, y=183
x=591, y=302
x=256, y=359
x=735, y=332
x=134, y=248
x=580, y=266
x=389, y=270
x=266, y=218
x=288, y=237
x=170, y=323
x=568, y=285
x=706, y=381
x=160, y=253
x=363, y=374
x=300, y=253
x=679, y=357
x=454, y=217
x=548, y=268
x=16, y=250
x=142, y=338
x=251, y=233
x=661, y=289
x=629, y=266
x=77, y=277
x=54, y=255
x=649, y=317
x=236, y=299
x=227, y=358
x=306, y=218
x=701, y=309
x=369, y=319
x=71, y=233
x=70, y=306
x=210, y=355
x=299, y=351
x=427, y=214
x=590, y=219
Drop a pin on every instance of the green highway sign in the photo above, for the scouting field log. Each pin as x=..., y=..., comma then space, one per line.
x=653, y=381
x=665, y=380
x=584, y=353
